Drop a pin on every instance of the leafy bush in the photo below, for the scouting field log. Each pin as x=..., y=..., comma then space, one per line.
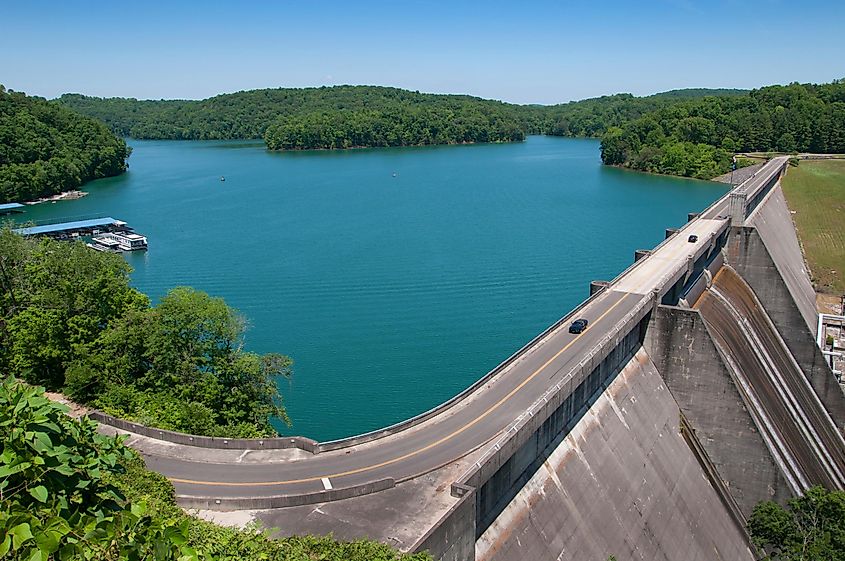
x=67, y=492
x=56, y=502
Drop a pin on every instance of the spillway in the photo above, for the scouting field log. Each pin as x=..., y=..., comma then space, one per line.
x=797, y=429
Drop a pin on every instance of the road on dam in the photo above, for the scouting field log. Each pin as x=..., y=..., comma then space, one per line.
x=480, y=416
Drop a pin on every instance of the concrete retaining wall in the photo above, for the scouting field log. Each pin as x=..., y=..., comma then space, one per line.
x=208, y=441
x=683, y=351
x=453, y=537
x=282, y=501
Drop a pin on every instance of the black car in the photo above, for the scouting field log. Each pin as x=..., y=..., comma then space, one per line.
x=578, y=326
x=692, y=239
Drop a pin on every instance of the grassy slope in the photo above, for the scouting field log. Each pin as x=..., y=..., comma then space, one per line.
x=815, y=190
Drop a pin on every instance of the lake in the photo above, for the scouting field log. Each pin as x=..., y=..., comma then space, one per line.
x=393, y=277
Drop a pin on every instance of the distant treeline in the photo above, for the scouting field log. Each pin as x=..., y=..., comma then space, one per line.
x=681, y=132
x=327, y=117
x=46, y=148
x=344, y=116
x=696, y=138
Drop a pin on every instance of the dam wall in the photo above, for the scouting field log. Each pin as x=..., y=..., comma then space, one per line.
x=622, y=482
x=695, y=374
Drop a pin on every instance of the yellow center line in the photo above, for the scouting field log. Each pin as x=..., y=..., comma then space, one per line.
x=420, y=450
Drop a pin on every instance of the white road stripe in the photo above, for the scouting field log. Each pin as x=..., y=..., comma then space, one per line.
x=327, y=485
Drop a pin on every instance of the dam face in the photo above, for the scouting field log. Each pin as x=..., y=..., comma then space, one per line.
x=727, y=403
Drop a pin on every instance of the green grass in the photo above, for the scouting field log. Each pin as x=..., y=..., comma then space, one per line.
x=815, y=190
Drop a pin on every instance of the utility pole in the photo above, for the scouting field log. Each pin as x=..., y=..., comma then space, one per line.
x=733, y=168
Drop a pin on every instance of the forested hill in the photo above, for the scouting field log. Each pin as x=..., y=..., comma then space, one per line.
x=390, y=115
x=697, y=137
x=46, y=148
x=327, y=117
x=691, y=132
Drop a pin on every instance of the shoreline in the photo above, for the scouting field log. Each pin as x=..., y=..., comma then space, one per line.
x=71, y=195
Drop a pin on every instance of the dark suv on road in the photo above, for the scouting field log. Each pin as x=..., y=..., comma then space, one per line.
x=578, y=326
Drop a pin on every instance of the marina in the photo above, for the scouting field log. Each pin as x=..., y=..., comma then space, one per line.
x=106, y=233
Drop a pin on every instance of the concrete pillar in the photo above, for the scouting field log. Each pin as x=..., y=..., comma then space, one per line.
x=670, y=232
x=640, y=253
x=680, y=345
x=692, y=216
x=737, y=206
x=597, y=286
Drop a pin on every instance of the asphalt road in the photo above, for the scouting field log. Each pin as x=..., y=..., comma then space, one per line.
x=439, y=441
x=460, y=429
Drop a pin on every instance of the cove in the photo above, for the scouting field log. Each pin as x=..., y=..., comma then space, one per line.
x=393, y=277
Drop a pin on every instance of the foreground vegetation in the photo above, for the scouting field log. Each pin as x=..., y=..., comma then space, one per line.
x=67, y=492
x=810, y=528
x=46, y=148
x=815, y=190
x=71, y=322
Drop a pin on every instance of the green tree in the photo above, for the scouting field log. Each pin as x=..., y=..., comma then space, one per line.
x=72, y=322
x=46, y=148
x=810, y=528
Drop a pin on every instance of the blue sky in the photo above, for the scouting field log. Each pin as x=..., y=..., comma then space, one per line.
x=523, y=52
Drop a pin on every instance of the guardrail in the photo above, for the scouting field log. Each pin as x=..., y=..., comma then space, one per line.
x=283, y=501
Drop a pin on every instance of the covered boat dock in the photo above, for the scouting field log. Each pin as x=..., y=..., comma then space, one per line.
x=74, y=228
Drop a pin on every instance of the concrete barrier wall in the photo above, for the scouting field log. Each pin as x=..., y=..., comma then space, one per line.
x=282, y=501
x=315, y=447
x=453, y=537
x=514, y=456
x=208, y=441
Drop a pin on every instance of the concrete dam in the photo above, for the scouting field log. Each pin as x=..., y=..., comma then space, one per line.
x=696, y=391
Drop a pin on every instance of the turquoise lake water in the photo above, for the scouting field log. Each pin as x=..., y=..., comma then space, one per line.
x=393, y=277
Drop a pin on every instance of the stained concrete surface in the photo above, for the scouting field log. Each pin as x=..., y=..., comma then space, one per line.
x=773, y=221
x=769, y=259
x=623, y=482
x=683, y=351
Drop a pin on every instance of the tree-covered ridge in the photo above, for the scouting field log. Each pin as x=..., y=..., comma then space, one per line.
x=400, y=126
x=71, y=321
x=360, y=114
x=46, y=148
x=68, y=493
x=412, y=117
x=696, y=138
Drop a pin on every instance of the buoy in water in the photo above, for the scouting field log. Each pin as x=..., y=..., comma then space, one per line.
x=222, y=178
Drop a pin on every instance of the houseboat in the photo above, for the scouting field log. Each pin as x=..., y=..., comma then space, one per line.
x=123, y=241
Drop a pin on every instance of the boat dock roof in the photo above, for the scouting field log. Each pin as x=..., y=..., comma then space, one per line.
x=68, y=226
x=9, y=208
